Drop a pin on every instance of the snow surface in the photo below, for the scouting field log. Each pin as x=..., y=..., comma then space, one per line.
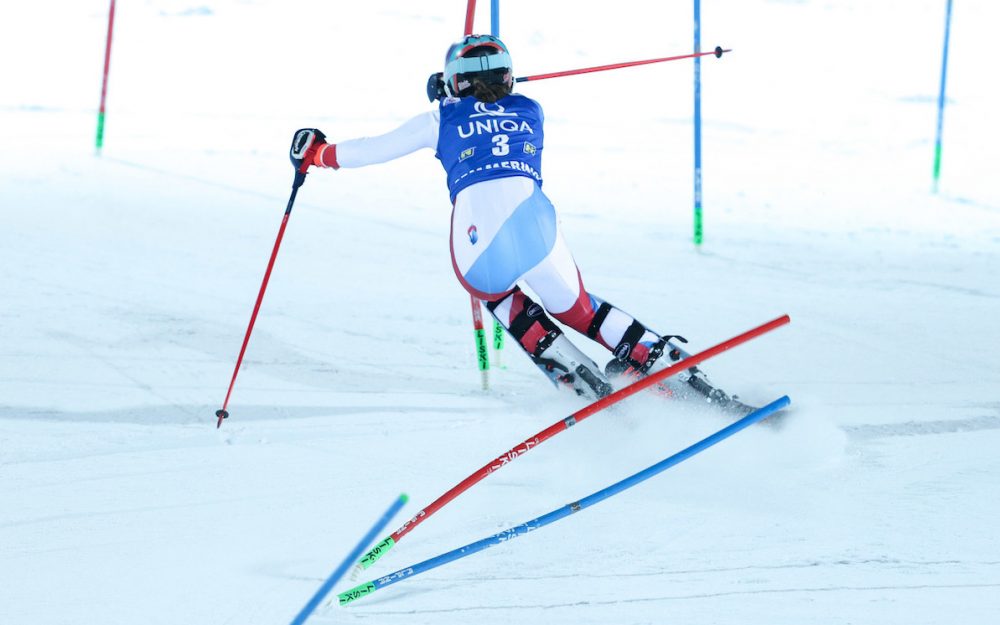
x=127, y=280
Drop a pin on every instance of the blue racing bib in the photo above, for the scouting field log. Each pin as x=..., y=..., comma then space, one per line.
x=482, y=141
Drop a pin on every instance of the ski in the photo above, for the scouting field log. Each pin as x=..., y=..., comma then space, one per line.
x=692, y=385
x=697, y=389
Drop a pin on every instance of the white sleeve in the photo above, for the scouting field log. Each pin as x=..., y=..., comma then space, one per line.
x=419, y=132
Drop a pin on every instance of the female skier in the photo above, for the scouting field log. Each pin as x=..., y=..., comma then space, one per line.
x=504, y=230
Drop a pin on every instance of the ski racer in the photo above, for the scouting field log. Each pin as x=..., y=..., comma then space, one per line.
x=504, y=230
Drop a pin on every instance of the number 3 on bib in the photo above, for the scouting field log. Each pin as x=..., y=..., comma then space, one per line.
x=502, y=148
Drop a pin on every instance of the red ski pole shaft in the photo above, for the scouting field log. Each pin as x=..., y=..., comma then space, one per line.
x=222, y=413
x=718, y=52
x=526, y=445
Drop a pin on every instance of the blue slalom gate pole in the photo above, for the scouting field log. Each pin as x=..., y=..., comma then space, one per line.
x=351, y=557
x=563, y=512
x=697, y=124
x=941, y=98
x=495, y=18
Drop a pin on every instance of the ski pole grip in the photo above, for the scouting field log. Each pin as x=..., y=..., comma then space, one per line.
x=301, y=142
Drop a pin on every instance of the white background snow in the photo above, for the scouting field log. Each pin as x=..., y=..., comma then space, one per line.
x=127, y=280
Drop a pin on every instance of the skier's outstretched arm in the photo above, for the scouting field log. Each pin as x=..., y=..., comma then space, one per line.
x=415, y=134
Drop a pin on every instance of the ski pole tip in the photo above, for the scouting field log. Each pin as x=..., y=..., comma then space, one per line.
x=221, y=414
x=719, y=51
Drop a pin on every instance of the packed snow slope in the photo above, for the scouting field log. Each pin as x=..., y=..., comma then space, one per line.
x=127, y=281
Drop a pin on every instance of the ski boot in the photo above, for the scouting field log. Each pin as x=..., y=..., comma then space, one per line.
x=661, y=355
x=544, y=342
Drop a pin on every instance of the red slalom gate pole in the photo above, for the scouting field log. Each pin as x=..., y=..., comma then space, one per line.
x=525, y=446
x=104, y=85
x=718, y=52
x=470, y=16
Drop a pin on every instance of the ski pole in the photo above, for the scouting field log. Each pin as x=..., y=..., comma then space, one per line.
x=383, y=547
x=435, y=84
x=297, y=182
x=331, y=581
x=718, y=52
x=520, y=530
